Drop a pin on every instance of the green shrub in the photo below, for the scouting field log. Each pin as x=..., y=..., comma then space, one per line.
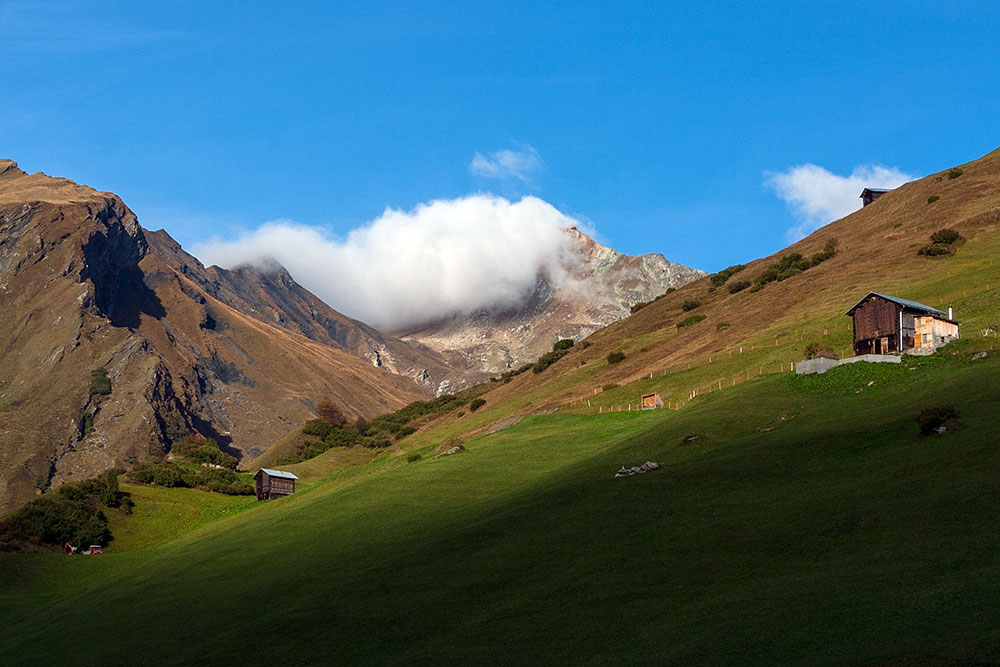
x=955, y=173
x=413, y=457
x=738, y=286
x=690, y=304
x=476, y=404
x=88, y=424
x=932, y=199
x=615, y=357
x=562, y=345
x=72, y=514
x=559, y=350
x=196, y=449
x=718, y=279
x=932, y=420
x=721, y=325
x=343, y=437
x=405, y=430
x=945, y=236
x=100, y=385
x=935, y=250
x=691, y=319
x=317, y=427
x=792, y=265
x=171, y=475
x=545, y=361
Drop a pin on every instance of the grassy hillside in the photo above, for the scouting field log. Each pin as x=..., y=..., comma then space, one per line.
x=809, y=524
x=877, y=251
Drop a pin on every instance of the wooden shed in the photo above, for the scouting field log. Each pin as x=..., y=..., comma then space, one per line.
x=886, y=324
x=274, y=483
x=651, y=401
x=868, y=195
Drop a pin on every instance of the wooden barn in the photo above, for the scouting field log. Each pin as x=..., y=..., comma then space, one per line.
x=886, y=324
x=274, y=483
x=651, y=401
x=868, y=195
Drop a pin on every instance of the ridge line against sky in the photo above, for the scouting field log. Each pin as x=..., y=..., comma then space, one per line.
x=712, y=133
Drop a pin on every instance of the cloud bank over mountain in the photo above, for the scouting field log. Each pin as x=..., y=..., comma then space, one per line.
x=817, y=196
x=407, y=268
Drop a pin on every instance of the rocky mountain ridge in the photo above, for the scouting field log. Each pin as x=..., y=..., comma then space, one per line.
x=601, y=287
x=83, y=290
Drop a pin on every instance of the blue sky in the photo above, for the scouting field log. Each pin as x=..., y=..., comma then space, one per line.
x=659, y=124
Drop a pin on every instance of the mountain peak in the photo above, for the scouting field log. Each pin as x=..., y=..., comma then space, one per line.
x=17, y=186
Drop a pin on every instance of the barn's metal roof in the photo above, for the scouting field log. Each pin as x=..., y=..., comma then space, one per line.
x=876, y=190
x=905, y=303
x=276, y=473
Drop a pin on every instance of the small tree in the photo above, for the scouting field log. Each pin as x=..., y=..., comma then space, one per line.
x=690, y=304
x=945, y=235
x=616, y=356
x=330, y=413
x=476, y=404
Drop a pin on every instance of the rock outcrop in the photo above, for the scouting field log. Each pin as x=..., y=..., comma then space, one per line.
x=601, y=288
x=81, y=291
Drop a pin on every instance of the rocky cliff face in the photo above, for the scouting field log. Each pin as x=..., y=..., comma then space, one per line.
x=268, y=293
x=81, y=291
x=602, y=287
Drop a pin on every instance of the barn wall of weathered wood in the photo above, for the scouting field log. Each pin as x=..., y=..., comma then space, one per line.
x=876, y=327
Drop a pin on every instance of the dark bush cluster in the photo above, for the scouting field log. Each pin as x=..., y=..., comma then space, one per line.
x=100, y=385
x=738, y=286
x=616, y=357
x=720, y=278
x=955, y=173
x=690, y=304
x=172, y=475
x=938, y=420
x=642, y=304
x=74, y=513
x=932, y=199
x=511, y=374
x=377, y=433
x=476, y=404
x=792, y=265
x=941, y=243
x=559, y=350
x=691, y=319
x=196, y=449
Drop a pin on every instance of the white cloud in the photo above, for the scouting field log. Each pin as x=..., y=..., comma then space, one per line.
x=507, y=164
x=407, y=268
x=817, y=196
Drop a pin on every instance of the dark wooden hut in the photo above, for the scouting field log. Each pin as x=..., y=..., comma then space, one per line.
x=868, y=195
x=886, y=324
x=274, y=483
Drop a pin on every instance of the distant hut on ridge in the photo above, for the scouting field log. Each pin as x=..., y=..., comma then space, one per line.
x=868, y=195
x=274, y=483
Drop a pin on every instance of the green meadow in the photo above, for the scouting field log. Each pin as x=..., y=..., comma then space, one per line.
x=808, y=524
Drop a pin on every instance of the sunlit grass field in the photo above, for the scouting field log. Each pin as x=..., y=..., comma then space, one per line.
x=808, y=524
